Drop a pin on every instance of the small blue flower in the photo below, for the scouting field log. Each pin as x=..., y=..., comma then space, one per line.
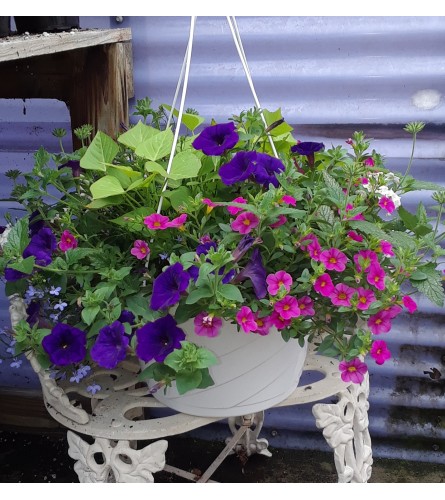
x=60, y=305
x=93, y=388
x=16, y=363
x=163, y=256
x=54, y=317
x=55, y=290
x=80, y=373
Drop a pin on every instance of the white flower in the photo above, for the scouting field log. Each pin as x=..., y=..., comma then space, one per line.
x=4, y=235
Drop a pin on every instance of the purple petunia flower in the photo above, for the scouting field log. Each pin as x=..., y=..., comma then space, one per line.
x=13, y=275
x=216, y=139
x=74, y=165
x=156, y=340
x=204, y=248
x=243, y=246
x=266, y=169
x=168, y=286
x=33, y=312
x=42, y=245
x=239, y=168
x=256, y=272
x=111, y=346
x=65, y=345
x=127, y=317
x=307, y=148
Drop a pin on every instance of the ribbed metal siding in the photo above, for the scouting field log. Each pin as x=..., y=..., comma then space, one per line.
x=330, y=76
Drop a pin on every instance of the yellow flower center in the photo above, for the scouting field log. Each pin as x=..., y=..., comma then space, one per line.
x=352, y=369
x=246, y=222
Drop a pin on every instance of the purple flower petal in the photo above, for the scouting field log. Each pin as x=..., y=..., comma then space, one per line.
x=156, y=340
x=168, y=286
x=216, y=139
x=111, y=346
x=307, y=148
x=266, y=169
x=13, y=275
x=240, y=168
x=65, y=345
x=256, y=272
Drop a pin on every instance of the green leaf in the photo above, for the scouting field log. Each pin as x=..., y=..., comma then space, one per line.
x=178, y=197
x=425, y=185
x=18, y=238
x=19, y=286
x=206, y=358
x=138, y=304
x=186, y=311
x=187, y=381
x=152, y=166
x=196, y=295
x=409, y=219
x=137, y=135
x=25, y=266
x=134, y=219
x=102, y=150
x=335, y=192
x=273, y=117
x=73, y=255
x=207, y=380
x=41, y=157
x=368, y=228
x=432, y=285
x=125, y=175
x=157, y=146
x=230, y=292
x=326, y=214
x=185, y=165
x=189, y=120
x=106, y=186
x=105, y=202
x=89, y=314
x=401, y=240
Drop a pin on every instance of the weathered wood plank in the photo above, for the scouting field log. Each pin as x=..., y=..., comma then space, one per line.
x=22, y=47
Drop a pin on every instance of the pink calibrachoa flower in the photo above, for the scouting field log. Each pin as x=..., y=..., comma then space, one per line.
x=207, y=325
x=334, y=259
x=287, y=307
x=156, y=221
x=234, y=210
x=387, y=204
x=369, y=162
x=264, y=324
x=246, y=319
x=342, y=294
x=277, y=280
x=379, y=351
x=353, y=371
x=178, y=222
x=278, y=321
x=307, y=240
x=314, y=250
x=209, y=203
x=245, y=222
x=385, y=248
x=140, y=249
x=354, y=236
x=364, y=259
x=67, y=241
x=282, y=219
x=290, y=200
x=364, y=181
x=393, y=311
x=354, y=217
x=306, y=306
x=380, y=323
x=409, y=303
x=323, y=285
x=365, y=298
x=376, y=276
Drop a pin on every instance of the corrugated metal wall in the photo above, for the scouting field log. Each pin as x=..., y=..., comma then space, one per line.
x=330, y=76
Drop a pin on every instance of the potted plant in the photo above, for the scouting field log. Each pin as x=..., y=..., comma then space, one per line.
x=133, y=249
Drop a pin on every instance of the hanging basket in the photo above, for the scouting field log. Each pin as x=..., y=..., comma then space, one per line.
x=253, y=373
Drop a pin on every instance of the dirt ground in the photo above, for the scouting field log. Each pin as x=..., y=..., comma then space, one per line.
x=43, y=458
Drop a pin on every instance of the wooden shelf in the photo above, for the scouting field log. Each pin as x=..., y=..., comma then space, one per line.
x=90, y=70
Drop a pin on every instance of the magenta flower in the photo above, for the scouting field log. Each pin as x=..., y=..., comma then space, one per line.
x=306, y=306
x=379, y=351
x=216, y=139
x=342, y=294
x=353, y=371
x=245, y=222
x=314, y=250
x=246, y=319
x=387, y=204
x=409, y=303
x=376, y=276
x=290, y=200
x=354, y=217
x=307, y=240
x=234, y=210
x=278, y=321
x=354, y=236
x=67, y=241
x=210, y=204
x=334, y=259
x=380, y=323
x=264, y=324
x=369, y=162
x=287, y=307
x=277, y=280
x=386, y=248
x=156, y=221
x=364, y=259
x=207, y=325
x=393, y=311
x=178, y=222
x=323, y=285
x=140, y=249
x=282, y=219
x=365, y=298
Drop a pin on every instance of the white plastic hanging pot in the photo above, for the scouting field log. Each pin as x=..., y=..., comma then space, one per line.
x=253, y=373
